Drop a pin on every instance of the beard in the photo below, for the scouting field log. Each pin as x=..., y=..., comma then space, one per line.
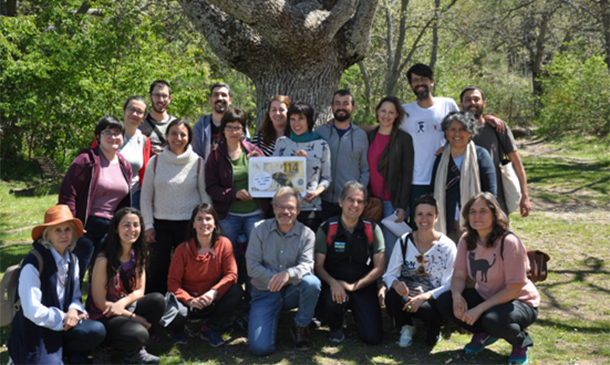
x=422, y=94
x=160, y=111
x=220, y=107
x=476, y=112
x=343, y=117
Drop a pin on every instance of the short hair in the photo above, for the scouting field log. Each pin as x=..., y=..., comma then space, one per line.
x=352, y=185
x=421, y=70
x=159, y=83
x=108, y=122
x=498, y=228
x=230, y=116
x=46, y=242
x=136, y=98
x=401, y=112
x=287, y=189
x=471, y=88
x=466, y=119
x=344, y=92
x=303, y=108
x=180, y=121
x=266, y=128
x=208, y=209
x=220, y=84
x=426, y=199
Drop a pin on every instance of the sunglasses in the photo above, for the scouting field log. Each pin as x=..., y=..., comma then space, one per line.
x=421, y=261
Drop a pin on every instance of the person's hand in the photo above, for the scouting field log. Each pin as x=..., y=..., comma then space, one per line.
x=338, y=293
x=70, y=319
x=347, y=286
x=278, y=280
x=414, y=303
x=401, y=214
x=459, y=306
x=83, y=316
x=141, y=320
x=253, y=154
x=400, y=287
x=471, y=316
x=439, y=151
x=208, y=298
x=495, y=122
x=381, y=294
x=310, y=197
x=300, y=153
x=150, y=235
x=195, y=303
x=525, y=206
x=243, y=195
x=116, y=309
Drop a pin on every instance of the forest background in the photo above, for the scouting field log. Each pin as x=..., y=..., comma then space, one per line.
x=65, y=63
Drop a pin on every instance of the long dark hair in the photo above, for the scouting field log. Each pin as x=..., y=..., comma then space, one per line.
x=266, y=129
x=113, y=248
x=498, y=227
x=208, y=209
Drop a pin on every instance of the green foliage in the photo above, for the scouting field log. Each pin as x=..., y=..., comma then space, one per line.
x=576, y=95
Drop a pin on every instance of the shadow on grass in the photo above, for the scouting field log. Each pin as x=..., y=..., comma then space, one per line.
x=12, y=255
x=591, y=175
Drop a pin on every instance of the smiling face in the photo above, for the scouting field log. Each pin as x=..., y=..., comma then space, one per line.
x=386, y=114
x=425, y=217
x=134, y=113
x=110, y=140
x=160, y=98
x=353, y=205
x=204, y=224
x=342, y=107
x=177, y=138
x=421, y=85
x=298, y=124
x=60, y=236
x=473, y=102
x=480, y=217
x=233, y=132
x=286, y=211
x=220, y=99
x=278, y=115
x=457, y=136
x=129, y=229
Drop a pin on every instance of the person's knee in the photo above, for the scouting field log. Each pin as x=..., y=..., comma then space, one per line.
x=261, y=342
x=95, y=332
x=310, y=284
x=372, y=337
x=233, y=295
x=444, y=304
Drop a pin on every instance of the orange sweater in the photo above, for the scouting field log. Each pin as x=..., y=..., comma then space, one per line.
x=191, y=274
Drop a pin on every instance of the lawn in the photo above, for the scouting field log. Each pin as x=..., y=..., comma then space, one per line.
x=570, y=220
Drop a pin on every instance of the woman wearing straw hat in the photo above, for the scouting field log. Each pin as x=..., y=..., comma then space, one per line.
x=52, y=325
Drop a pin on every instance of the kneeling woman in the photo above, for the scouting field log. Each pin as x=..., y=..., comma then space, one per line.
x=419, y=271
x=203, y=276
x=52, y=323
x=116, y=291
x=504, y=301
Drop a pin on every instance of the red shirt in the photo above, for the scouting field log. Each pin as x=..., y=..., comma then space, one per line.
x=374, y=154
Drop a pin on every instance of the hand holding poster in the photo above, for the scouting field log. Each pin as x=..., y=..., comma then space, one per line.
x=267, y=174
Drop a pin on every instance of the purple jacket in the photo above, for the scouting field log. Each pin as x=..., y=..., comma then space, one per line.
x=219, y=179
x=78, y=187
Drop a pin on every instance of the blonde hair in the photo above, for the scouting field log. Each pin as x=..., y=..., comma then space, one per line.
x=46, y=243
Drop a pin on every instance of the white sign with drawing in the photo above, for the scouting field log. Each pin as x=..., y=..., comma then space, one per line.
x=267, y=174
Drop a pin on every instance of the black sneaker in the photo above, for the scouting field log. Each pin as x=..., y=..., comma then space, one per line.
x=301, y=337
x=141, y=356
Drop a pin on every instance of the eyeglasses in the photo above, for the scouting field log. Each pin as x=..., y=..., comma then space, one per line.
x=289, y=208
x=416, y=80
x=421, y=270
x=354, y=201
x=161, y=96
x=233, y=129
x=111, y=134
x=132, y=110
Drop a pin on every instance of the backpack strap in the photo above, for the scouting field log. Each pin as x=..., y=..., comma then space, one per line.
x=332, y=231
x=502, y=243
x=368, y=230
x=403, y=246
x=38, y=256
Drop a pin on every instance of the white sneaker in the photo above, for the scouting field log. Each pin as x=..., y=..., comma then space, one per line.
x=406, y=336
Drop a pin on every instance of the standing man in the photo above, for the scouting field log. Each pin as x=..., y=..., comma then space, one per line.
x=279, y=260
x=423, y=122
x=206, y=131
x=348, y=151
x=350, y=258
x=498, y=144
x=156, y=122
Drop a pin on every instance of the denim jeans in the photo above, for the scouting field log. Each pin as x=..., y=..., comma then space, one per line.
x=96, y=228
x=135, y=199
x=266, y=308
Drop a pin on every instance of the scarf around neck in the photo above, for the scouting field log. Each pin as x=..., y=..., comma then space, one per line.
x=305, y=137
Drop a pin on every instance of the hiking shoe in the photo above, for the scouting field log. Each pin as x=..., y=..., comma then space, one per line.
x=101, y=355
x=518, y=356
x=406, y=336
x=140, y=356
x=208, y=334
x=301, y=337
x=179, y=338
x=243, y=323
x=433, y=335
x=478, y=342
x=336, y=336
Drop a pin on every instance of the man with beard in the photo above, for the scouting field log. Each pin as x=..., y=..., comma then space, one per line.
x=206, y=131
x=280, y=263
x=156, y=122
x=498, y=144
x=423, y=122
x=348, y=148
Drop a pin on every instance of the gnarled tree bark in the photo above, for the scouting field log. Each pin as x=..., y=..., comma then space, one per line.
x=297, y=48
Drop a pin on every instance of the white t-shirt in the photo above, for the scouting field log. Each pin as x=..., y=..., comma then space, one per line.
x=133, y=151
x=424, y=125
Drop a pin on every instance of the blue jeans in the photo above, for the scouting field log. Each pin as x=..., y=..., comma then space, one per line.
x=96, y=228
x=135, y=199
x=266, y=308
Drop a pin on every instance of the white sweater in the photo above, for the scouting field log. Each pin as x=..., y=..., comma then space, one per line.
x=175, y=186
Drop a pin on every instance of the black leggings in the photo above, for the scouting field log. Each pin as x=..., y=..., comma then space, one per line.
x=126, y=334
x=427, y=311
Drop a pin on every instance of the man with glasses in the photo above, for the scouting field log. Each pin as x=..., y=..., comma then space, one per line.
x=279, y=260
x=350, y=258
x=156, y=122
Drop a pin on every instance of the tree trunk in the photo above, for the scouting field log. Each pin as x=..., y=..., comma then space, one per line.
x=434, y=52
x=605, y=5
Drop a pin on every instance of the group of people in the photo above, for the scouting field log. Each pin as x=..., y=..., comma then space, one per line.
x=157, y=199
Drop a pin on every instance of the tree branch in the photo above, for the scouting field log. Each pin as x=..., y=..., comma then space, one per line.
x=355, y=35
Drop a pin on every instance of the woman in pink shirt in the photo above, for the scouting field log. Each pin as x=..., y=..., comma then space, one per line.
x=504, y=302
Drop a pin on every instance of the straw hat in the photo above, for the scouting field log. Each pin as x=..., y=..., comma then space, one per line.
x=55, y=215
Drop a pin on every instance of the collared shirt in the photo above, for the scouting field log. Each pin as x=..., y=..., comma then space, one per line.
x=31, y=294
x=271, y=251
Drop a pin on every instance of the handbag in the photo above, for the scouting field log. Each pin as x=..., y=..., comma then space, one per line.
x=538, y=261
x=373, y=210
x=510, y=182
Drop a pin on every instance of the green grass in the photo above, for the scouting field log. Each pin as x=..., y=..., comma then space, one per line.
x=573, y=325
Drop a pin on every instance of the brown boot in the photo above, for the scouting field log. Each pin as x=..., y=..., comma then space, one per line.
x=301, y=337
